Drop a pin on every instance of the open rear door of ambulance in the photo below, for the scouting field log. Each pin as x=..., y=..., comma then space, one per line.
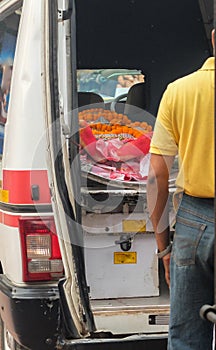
x=77, y=326
x=59, y=68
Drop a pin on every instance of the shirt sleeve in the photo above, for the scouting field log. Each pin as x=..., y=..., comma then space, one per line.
x=163, y=141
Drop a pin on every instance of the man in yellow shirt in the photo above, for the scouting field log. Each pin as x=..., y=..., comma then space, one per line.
x=185, y=126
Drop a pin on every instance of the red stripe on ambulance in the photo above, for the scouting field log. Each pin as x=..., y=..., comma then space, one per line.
x=19, y=184
x=9, y=220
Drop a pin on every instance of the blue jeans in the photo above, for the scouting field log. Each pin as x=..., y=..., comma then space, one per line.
x=192, y=275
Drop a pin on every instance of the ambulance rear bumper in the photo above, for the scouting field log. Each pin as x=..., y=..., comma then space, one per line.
x=30, y=314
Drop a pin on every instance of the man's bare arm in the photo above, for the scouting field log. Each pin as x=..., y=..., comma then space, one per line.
x=158, y=202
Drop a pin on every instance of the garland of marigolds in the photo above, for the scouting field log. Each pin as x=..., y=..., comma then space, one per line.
x=115, y=124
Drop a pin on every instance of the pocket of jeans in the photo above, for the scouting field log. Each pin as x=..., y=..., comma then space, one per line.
x=186, y=240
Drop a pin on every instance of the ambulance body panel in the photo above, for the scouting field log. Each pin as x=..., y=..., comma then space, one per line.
x=78, y=254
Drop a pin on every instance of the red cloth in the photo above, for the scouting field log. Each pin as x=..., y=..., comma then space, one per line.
x=89, y=143
x=101, y=150
x=86, y=136
x=135, y=149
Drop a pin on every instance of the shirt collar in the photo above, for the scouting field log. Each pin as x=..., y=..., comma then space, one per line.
x=209, y=64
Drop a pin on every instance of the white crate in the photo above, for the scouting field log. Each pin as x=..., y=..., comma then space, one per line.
x=108, y=279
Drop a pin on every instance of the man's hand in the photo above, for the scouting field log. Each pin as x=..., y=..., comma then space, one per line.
x=166, y=263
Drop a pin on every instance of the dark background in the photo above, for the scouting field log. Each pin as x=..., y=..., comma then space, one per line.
x=166, y=39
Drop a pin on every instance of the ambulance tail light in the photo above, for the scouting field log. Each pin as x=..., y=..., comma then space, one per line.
x=41, y=256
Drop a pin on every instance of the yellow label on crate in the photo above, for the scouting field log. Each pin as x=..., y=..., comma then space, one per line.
x=134, y=225
x=125, y=257
x=4, y=196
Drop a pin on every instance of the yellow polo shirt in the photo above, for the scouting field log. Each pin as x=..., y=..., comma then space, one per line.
x=185, y=126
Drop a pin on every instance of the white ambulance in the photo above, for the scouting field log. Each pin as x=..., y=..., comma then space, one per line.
x=77, y=249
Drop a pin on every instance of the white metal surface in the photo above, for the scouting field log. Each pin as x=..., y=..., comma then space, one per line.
x=71, y=286
x=132, y=315
x=109, y=223
x=108, y=279
x=10, y=253
x=24, y=130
